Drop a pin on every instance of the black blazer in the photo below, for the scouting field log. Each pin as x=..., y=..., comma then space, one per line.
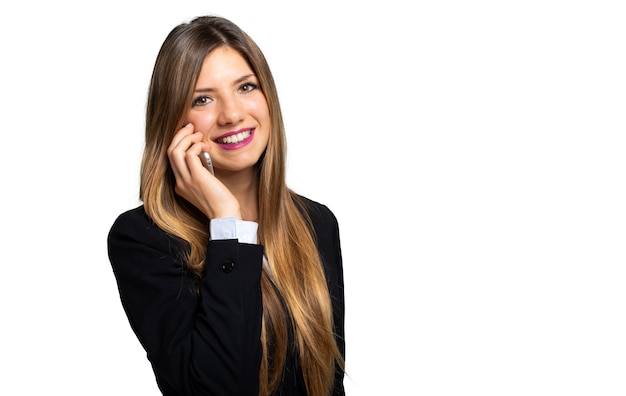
x=209, y=344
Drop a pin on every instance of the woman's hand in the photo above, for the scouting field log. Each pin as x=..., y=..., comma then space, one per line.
x=194, y=182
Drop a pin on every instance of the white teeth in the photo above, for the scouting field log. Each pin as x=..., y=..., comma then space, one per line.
x=234, y=139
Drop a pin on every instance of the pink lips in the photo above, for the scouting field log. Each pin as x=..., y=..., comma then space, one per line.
x=235, y=146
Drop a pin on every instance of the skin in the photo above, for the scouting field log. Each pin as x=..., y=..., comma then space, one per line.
x=227, y=98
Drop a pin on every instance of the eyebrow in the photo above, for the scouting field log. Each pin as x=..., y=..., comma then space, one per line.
x=237, y=81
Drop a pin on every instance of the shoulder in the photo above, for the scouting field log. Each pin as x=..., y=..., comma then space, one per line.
x=324, y=223
x=134, y=226
x=131, y=216
x=320, y=214
x=132, y=221
x=326, y=234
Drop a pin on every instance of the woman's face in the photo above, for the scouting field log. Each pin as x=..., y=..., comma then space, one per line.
x=229, y=108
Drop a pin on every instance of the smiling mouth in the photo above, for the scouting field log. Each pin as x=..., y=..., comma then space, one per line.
x=234, y=139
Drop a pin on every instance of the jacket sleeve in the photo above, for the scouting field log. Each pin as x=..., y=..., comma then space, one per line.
x=198, y=343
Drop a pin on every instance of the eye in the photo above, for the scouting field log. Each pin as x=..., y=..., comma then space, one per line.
x=201, y=101
x=247, y=87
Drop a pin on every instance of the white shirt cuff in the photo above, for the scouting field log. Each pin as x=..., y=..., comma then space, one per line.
x=231, y=228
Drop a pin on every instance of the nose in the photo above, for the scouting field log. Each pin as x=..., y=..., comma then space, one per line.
x=231, y=111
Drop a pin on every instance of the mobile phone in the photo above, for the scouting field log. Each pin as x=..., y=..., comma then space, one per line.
x=206, y=161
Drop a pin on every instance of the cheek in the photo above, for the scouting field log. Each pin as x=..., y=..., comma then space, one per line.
x=259, y=109
x=202, y=121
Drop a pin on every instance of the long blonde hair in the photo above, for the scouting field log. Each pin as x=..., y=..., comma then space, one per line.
x=296, y=295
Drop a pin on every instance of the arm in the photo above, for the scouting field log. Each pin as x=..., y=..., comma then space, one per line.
x=198, y=343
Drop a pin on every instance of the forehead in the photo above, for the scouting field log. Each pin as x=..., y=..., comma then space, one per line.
x=223, y=65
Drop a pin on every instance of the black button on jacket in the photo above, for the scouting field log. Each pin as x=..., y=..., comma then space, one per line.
x=208, y=345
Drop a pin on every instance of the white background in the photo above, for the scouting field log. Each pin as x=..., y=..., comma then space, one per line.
x=473, y=152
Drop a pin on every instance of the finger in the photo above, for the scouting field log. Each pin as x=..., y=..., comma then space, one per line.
x=177, y=147
x=181, y=134
x=177, y=152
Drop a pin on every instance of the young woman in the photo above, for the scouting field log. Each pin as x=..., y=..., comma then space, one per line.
x=232, y=282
